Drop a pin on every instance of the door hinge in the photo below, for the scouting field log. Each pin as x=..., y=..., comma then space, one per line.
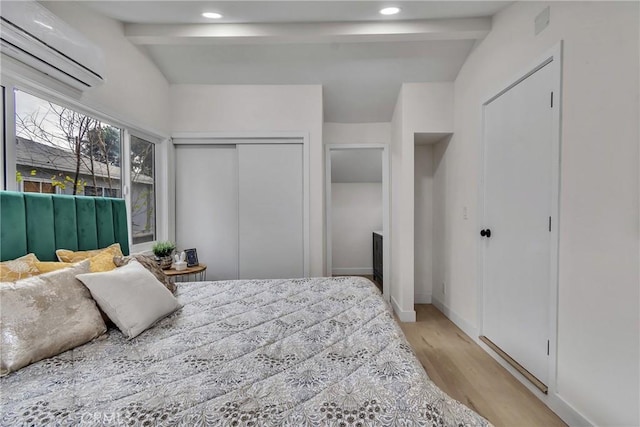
x=551, y=99
x=547, y=347
x=549, y=224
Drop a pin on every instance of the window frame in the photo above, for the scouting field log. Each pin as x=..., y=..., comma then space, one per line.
x=160, y=141
x=156, y=165
x=145, y=246
x=3, y=133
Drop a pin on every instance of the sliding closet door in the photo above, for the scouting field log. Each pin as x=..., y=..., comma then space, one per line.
x=207, y=206
x=270, y=197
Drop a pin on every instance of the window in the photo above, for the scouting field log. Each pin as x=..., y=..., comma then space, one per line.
x=92, y=191
x=111, y=192
x=3, y=136
x=143, y=198
x=57, y=147
x=61, y=150
x=29, y=186
x=101, y=191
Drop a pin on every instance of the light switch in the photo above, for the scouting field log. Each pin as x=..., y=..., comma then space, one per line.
x=542, y=20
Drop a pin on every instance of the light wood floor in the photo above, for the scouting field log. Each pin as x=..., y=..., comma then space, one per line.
x=468, y=374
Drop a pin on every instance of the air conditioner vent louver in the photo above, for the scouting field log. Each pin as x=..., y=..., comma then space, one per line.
x=36, y=37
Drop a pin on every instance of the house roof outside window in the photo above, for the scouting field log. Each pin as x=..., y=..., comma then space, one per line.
x=37, y=155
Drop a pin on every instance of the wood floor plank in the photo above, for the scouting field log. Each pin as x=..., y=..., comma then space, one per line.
x=468, y=374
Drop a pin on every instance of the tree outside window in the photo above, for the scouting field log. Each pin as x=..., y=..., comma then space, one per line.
x=143, y=217
x=65, y=148
x=64, y=151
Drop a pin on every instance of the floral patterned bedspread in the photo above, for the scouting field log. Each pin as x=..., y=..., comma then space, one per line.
x=302, y=352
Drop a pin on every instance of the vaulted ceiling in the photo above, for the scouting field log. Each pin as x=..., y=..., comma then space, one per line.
x=359, y=56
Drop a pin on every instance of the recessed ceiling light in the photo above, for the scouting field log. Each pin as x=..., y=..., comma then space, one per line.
x=389, y=11
x=212, y=15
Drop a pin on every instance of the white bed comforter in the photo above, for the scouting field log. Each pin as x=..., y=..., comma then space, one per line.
x=316, y=352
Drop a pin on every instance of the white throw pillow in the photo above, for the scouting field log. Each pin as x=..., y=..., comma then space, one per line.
x=131, y=296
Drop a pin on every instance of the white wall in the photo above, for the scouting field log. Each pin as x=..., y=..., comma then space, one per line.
x=400, y=268
x=261, y=108
x=423, y=226
x=442, y=227
x=134, y=89
x=598, y=314
x=356, y=210
x=428, y=107
x=421, y=108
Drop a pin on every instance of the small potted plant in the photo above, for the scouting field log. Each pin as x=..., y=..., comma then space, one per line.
x=163, y=252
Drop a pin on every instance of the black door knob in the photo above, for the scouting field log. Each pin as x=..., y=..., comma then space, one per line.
x=488, y=232
x=485, y=233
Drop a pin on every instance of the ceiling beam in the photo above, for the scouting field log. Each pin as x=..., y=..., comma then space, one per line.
x=333, y=32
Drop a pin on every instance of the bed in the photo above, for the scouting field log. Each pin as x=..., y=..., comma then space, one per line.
x=318, y=351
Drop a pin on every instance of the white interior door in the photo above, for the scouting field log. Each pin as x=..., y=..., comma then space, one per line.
x=207, y=206
x=271, y=211
x=518, y=138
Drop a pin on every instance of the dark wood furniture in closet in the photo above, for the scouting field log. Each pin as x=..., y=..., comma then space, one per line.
x=377, y=257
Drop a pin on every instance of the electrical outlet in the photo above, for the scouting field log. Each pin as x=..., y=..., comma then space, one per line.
x=444, y=289
x=465, y=213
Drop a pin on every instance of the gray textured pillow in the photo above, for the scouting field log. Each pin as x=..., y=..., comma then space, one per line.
x=131, y=296
x=150, y=264
x=44, y=315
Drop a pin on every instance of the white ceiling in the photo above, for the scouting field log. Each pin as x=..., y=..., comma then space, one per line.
x=239, y=11
x=361, y=64
x=360, y=80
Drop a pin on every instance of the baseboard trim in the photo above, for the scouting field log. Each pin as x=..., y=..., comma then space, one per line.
x=404, y=316
x=553, y=400
x=466, y=327
x=567, y=412
x=557, y=404
x=515, y=365
x=351, y=271
x=422, y=298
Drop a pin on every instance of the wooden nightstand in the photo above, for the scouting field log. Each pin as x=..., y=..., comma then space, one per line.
x=199, y=273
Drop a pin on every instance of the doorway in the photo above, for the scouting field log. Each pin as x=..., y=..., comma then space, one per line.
x=357, y=207
x=518, y=232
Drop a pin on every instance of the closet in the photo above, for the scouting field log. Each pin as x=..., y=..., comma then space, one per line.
x=241, y=206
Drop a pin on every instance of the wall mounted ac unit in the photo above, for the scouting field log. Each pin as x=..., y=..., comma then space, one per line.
x=35, y=36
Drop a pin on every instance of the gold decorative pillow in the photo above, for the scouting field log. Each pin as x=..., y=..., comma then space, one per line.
x=44, y=316
x=49, y=266
x=101, y=259
x=20, y=268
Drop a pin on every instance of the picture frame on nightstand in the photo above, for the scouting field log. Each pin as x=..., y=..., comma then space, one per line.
x=192, y=257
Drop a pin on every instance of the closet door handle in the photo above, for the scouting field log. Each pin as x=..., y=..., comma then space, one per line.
x=485, y=233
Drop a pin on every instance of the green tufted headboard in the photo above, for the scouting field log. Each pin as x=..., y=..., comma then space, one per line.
x=42, y=223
